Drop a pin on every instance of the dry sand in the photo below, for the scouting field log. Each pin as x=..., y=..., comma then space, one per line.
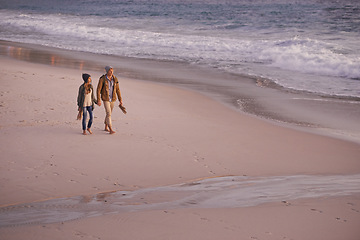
x=169, y=136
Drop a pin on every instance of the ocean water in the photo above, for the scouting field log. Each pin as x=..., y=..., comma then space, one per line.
x=310, y=45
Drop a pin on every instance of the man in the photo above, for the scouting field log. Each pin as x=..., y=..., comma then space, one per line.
x=108, y=87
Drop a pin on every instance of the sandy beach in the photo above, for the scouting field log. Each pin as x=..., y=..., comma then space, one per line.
x=170, y=135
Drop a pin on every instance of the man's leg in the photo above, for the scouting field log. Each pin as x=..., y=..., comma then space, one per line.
x=109, y=106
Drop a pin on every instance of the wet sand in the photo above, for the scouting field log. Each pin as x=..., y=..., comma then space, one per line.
x=170, y=136
x=219, y=192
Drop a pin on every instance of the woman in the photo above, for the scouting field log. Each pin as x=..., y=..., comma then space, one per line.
x=85, y=101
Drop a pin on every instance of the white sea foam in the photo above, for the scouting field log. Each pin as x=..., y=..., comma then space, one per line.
x=303, y=59
x=311, y=56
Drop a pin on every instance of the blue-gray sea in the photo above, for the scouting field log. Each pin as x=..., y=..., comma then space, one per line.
x=310, y=45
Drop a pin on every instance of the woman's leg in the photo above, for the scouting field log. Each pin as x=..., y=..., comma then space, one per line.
x=90, y=119
x=84, y=120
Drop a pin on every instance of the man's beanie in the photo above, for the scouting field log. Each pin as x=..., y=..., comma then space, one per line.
x=107, y=68
x=85, y=77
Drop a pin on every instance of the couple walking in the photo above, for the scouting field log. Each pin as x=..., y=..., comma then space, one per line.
x=107, y=89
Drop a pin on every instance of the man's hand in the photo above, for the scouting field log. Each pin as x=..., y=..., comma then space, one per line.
x=99, y=103
x=123, y=109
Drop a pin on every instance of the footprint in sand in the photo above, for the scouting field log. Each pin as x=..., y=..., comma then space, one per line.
x=199, y=159
x=316, y=210
x=353, y=209
x=339, y=219
x=286, y=203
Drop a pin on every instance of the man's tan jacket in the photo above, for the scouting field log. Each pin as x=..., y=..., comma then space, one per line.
x=103, y=89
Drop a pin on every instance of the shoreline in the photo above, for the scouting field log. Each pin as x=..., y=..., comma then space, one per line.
x=170, y=136
x=325, y=115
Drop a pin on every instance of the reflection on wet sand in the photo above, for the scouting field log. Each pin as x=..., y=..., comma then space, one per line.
x=42, y=56
x=219, y=192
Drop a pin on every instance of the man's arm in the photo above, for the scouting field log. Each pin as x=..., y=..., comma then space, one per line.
x=118, y=92
x=119, y=95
